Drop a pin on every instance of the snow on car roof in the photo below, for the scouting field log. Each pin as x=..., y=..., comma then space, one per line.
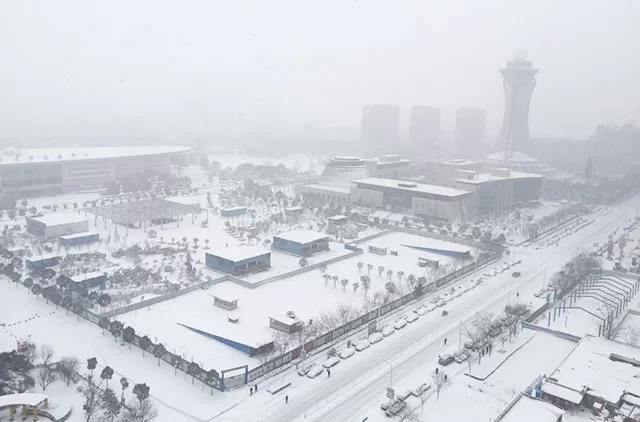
x=57, y=219
x=239, y=253
x=302, y=236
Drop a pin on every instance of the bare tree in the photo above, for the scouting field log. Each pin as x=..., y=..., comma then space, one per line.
x=45, y=354
x=92, y=401
x=146, y=412
x=440, y=380
x=68, y=368
x=608, y=316
x=45, y=376
x=282, y=342
x=630, y=334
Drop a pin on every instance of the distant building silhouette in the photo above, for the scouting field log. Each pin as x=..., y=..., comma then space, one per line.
x=424, y=127
x=519, y=82
x=471, y=124
x=380, y=127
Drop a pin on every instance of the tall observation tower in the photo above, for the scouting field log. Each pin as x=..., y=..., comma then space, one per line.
x=519, y=81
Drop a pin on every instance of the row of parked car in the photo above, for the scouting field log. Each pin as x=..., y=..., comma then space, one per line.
x=392, y=407
x=564, y=232
x=504, y=267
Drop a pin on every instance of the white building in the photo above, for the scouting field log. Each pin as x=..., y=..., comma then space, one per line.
x=50, y=226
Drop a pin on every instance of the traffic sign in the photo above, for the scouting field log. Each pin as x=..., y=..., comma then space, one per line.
x=390, y=393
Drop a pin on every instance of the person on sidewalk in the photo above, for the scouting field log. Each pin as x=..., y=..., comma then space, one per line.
x=255, y=387
x=286, y=399
x=328, y=373
x=251, y=391
x=445, y=341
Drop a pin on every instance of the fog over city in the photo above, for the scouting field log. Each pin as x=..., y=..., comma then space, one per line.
x=220, y=69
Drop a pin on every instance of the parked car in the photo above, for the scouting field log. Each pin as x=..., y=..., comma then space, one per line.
x=461, y=356
x=459, y=292
x=346, y=353
x=304, y=370
x=400, y=324
x=375, y=337
x=386, y=404
x=516, y=274
x=404, y=394
x=331, y=362
x=315, y=371
x=430, y=307
x=441, y=303
x=412, y=317
x=396, y=407
x=421, y=389
x=445, y=360
x=505, y=267
x=387, y=330
x=421, y=310
x=362, y=345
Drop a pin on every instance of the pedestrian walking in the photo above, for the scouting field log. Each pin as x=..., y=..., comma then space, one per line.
x=255, y=387
x=445, y=341
x=251, y=391
x=328, y=373
x=436, y=370
x=286, y=399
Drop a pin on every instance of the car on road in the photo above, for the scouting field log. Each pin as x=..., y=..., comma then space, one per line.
x=430, y=306
x=412, y=317
x=386, y=404
x=404, y=394
x=375, y=337
x=446, y=360
x=505, y=267
x=487, y=274
x=441, y=302
x=421, y=310
x=387, y=330
x=421, y=389
x=396, y=407
x=346, y=353
x=400, y=324
x=304, y=370
x=315, y=371
x=516, y=274
x=362, y=345
x=459, y=292
x=331, y=362
x=461, y=356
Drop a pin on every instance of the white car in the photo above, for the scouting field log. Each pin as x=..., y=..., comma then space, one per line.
x=459, y=292
x=362, y=345
x=331, y=362
x=447, y=298
x=412, y=317
x=421, y=310
x=400, y=324
x=505, y=267
x=494, y=272
x=387, y=330
x=421, y=389
x=468, y=286
x=430, y=307
x=315, y=371
x=375, y=338
x=441, y=303
x=346, y=353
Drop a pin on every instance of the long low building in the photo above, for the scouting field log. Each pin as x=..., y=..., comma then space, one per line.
x=301, y=242
x=56, y=225
x=31, y=172
x=239, y=261
x=428, y=200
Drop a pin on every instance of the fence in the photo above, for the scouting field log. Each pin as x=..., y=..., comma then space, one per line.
x=556, y=333
x=163, y=298
x=361, y=321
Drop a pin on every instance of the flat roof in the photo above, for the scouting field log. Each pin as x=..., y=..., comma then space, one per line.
x=77, y=235
x=528, y=409
x=239, y=253
x=32, y=156
x=285, y=320
x=488, y=177
x=430, y=243
x=413, y=187
x=57, y=219
x=302, y=236
x=86, y=276
x=323, y=188
x=562, y=392
x=43, y=257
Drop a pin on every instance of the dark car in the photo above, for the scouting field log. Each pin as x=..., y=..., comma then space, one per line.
x=445, y=360
x=516, y=274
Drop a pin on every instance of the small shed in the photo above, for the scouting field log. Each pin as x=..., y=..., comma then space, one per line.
x=76, y=239
x=225, y=303
x=86, y=280
x=301, y=242
x=285, y=324
x=239, y=261
x=45, y=261
x=337, y=221
x=233, y=211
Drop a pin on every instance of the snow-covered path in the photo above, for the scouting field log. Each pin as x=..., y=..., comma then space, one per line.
x=357, y=386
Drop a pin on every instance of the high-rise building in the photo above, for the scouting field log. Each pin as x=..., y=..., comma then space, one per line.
x=471, y=124
x=519, y=82
x=424, y=127
x=380, y=126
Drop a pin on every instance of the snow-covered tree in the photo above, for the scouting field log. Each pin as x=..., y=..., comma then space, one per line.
x=68, y=368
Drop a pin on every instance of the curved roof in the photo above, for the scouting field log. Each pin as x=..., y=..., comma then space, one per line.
x=64, y=155
x=27, y=399
x=524, y=163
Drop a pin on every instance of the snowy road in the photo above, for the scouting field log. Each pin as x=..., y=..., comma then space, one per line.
x=357, y=386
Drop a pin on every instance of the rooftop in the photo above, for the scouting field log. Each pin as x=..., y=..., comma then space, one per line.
x=86, y=276
x=77, y=235
x=65, y=155
x=480, y=178
x=413, y=187
x=302, y=236
x=322, y=188
x=239, y=253
x=337, y=217
x=443, y=245
x=57, y=219
x=589, y=365
x=528, y=409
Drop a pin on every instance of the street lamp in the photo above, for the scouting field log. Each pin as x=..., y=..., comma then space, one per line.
x=391, y=372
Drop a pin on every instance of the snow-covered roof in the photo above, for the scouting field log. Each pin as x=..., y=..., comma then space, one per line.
x=234, y=209
x=28, y=399
x=43, y=257
x=322, y=188
x=337, y=217
x=631, y=399
x=430, y=243
x=302, y=236
x=589, y=365
x=77, y=235
x=293, y=208
x=285, y=320
x=30, y=156
x=488, y=177
x=86, y=276
x=58, y=219
x=528, y=409
x=562, y=392
x=239, y=253
x=413, y=187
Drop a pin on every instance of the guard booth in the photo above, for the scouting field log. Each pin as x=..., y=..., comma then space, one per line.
x=378, y=250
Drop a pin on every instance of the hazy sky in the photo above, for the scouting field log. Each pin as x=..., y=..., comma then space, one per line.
x=176, y=68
